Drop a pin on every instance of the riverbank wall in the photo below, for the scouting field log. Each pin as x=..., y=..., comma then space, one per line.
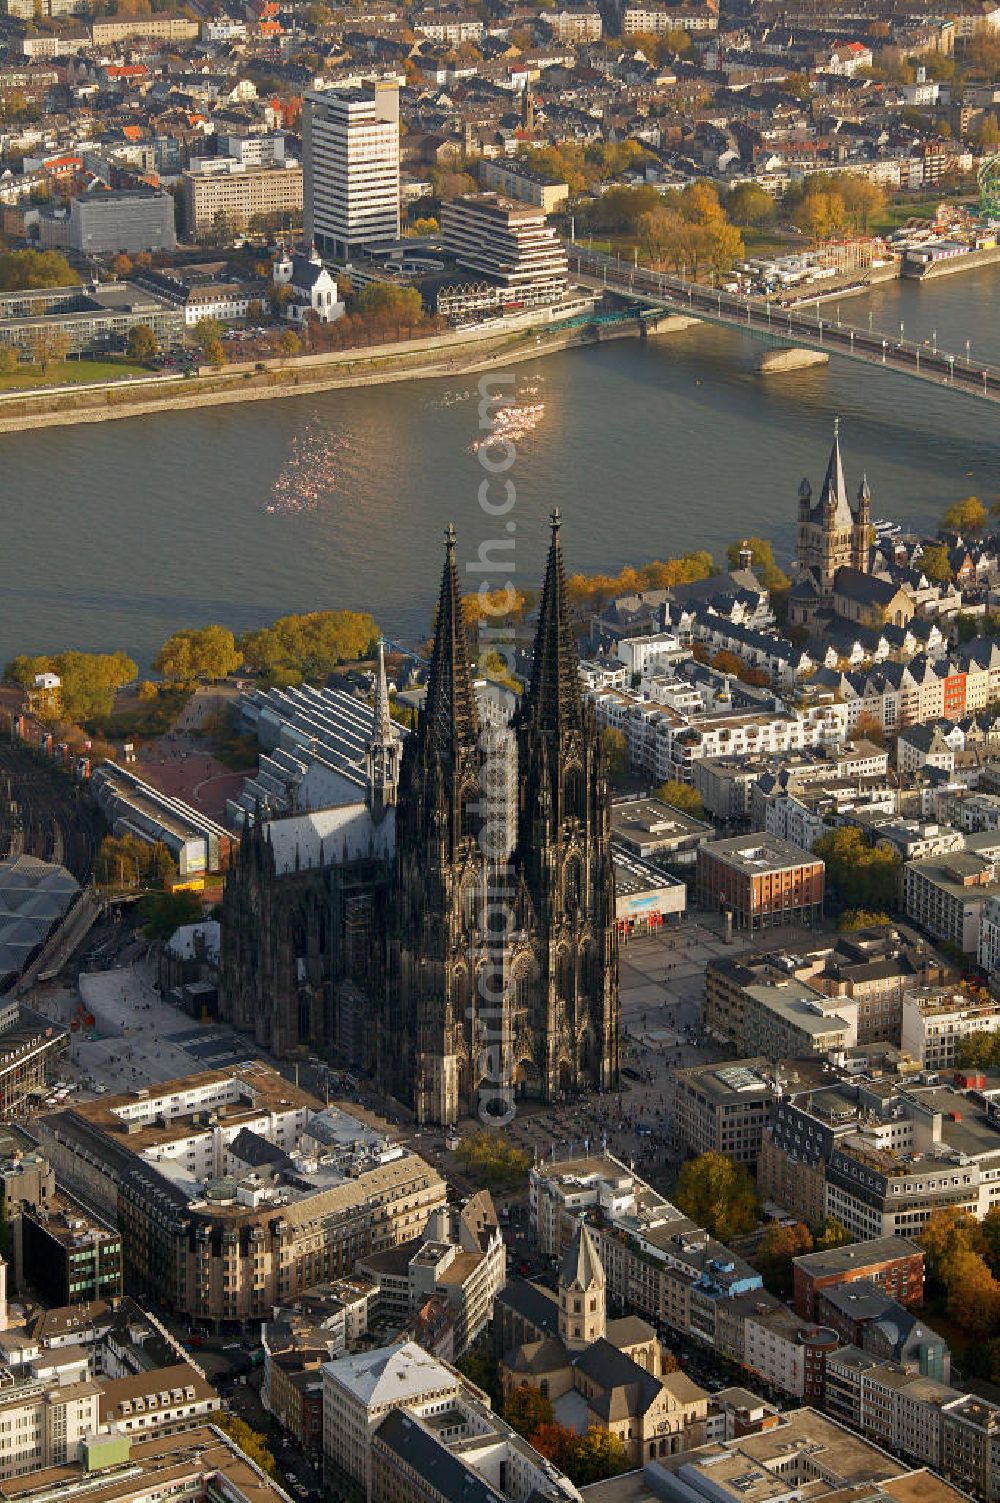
x=952, y=265
x=449, y=355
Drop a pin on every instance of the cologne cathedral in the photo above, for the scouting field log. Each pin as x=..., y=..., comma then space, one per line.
x=456, y=937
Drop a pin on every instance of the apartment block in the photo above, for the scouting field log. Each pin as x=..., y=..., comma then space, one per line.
x=515, y=179
x=139, y=219
x=658, y=19
x=460, y=1260
x=158, y=28
x=882, y=1155
x=665, y=1268
x=69, y=1257
x=43, y=1424
x=239, y=194
x=946, y=896
x=935, y=1020
x=463, y=1452
x=724, y=1108
x=359, y=1391
x=866, y=972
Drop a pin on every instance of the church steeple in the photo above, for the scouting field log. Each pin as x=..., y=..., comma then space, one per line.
x=834, y=503
x=450, y=717
x=582, y=1292
x=383, y=749
x=863, y=527
x=553, y=701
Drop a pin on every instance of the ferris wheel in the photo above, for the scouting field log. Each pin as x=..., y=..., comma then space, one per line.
x=988, y=178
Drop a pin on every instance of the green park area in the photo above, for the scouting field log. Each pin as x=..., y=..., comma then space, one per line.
x=31, y=376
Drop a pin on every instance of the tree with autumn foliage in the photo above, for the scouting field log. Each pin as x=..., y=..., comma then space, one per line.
x=958, y=1251
x=591, y=1457
x=833, y=1234
x=526, y=1410
x=778, y=1246
x=506, y=604
x=553, y=1441
x=973, y=1295
x=947, y=1232
x=862, y=918
x=614, y=744
x=770, y=574
x=592, y=590
x=859, y=875
x=681, y=796
x=719, y=1195
x=968, y=516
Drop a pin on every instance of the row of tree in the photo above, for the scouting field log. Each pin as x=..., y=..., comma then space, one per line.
x=691, y=230
x=293, y=648
x=591, y=1457
x=31, y=270
x=828, y=204
x=592, y=590
x=859, y=875
x=781, y=1245
x=124, y=863
x=493, y=1160
x=962, y=1261
x=979, y=1050
x=90, y=680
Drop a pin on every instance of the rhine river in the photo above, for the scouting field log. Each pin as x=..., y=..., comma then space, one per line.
x=115, y=534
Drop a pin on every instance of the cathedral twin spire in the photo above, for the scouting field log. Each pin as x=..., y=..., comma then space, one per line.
x=450, y=714
x=553, y=702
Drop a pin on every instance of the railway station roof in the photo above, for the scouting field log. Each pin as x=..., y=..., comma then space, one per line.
x=34, y=897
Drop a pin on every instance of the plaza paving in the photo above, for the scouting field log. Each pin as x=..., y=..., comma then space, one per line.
x=140, y=1039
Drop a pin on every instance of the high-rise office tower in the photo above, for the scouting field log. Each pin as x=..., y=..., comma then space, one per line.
x=351, y=158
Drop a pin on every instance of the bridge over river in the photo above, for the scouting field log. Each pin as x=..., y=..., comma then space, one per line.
x=808, y=328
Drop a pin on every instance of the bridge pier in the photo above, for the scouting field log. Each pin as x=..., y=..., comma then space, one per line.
x=773, y=362
x=667, y=323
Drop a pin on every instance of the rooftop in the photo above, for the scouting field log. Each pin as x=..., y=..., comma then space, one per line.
x=856, y=1255
x=390, y=1375
x=758, y=853
x=34, y=897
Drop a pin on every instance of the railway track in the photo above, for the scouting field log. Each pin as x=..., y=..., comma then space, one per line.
x=45, y=815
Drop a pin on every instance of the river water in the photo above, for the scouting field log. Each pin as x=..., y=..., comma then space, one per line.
x=115, y=534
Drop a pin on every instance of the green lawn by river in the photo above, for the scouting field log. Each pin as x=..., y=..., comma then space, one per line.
x=71, y=373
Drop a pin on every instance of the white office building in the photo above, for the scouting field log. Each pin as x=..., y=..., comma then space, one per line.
x=350, y=141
